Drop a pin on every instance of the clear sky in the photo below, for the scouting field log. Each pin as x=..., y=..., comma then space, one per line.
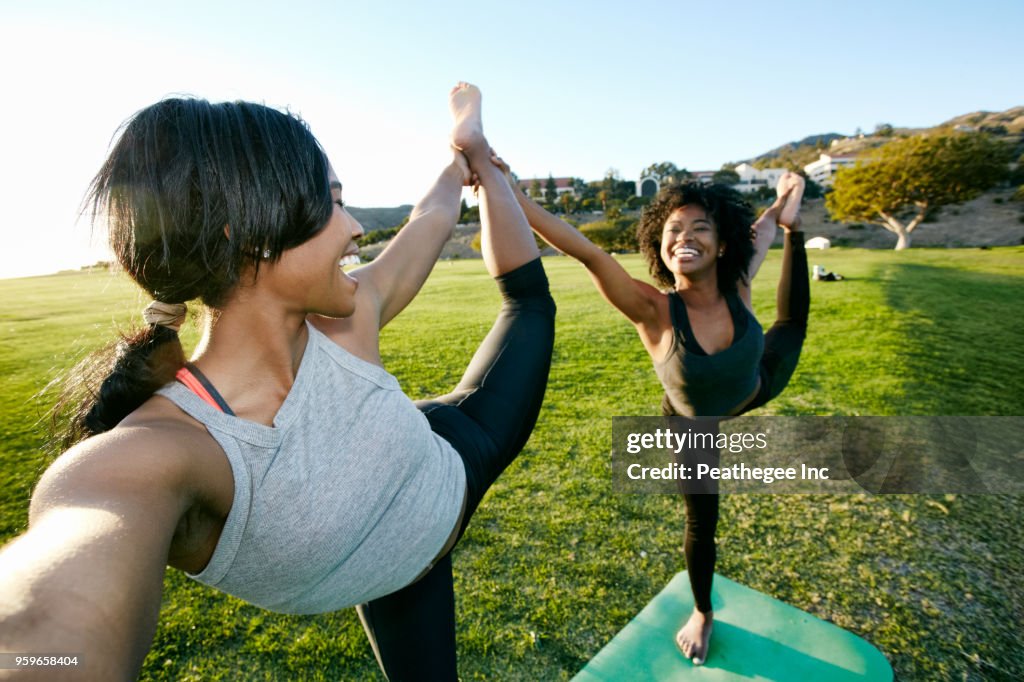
x=570, y=88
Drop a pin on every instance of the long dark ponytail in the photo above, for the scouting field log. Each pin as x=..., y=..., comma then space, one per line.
x=195, y=195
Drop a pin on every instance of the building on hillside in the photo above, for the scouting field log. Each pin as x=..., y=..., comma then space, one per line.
x=752, y=179
x=649, y=185
x=823, y=170
x=562, y=186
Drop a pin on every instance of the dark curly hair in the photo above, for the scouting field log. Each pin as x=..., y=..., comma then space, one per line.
x=728, y=210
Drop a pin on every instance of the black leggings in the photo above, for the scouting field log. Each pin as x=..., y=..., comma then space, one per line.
x=782, y=344
x=487, y=419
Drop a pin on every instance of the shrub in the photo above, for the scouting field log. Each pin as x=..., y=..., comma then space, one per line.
x=614, y=234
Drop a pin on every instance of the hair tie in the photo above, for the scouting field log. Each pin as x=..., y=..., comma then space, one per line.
x=169, y=315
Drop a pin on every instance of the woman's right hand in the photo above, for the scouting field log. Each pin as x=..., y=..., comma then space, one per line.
x=503, y=167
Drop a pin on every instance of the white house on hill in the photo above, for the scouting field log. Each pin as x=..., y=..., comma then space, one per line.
x=754, y=178
x=824, y=169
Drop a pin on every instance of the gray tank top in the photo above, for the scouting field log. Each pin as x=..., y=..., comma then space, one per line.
x=347, y=497
x=700, y=385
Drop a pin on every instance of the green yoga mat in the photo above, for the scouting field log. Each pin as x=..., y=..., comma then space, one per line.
x=755, y=637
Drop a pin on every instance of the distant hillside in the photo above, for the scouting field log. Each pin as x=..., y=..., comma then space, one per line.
x=379, y=218
x=796, y=155
x=1012, y=120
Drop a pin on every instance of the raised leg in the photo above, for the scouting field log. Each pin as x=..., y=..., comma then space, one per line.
x=784, y=340
x=506, y=239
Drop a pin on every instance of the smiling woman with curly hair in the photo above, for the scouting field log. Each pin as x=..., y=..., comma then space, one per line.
x=703, y=247
x=729, y=211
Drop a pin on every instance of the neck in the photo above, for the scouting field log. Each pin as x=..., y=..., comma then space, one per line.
x=252, y=354
x=700, y=291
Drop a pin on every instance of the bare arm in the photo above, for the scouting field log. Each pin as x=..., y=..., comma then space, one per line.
x=394, y=278
x=86, y=578
x=635, y=299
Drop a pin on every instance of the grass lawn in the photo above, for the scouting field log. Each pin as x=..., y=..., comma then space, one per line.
x=554, y=562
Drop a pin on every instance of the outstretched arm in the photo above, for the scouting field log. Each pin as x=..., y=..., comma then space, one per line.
x=394, y=278
x=86, y=578
x=635, y=299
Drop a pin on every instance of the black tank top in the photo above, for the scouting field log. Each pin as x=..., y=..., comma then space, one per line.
x=697, y=384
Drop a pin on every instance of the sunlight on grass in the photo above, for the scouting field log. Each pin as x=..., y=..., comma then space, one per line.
x=554, y=563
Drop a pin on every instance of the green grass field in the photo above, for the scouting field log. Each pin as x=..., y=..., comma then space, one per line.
x=555, y=563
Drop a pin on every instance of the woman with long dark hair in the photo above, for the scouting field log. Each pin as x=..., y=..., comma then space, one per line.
x=703, y=246
x=282, y=463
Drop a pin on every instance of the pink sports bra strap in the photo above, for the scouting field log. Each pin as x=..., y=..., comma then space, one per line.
x=196, y=381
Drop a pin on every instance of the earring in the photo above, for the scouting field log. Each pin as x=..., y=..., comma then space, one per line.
x=266, y=254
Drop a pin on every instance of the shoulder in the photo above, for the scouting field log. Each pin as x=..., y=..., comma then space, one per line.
x=359, y=334
x=656, y=331
x=157, y=456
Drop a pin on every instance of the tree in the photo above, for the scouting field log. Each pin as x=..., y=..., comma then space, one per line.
x=812, y=190
x=535, y=192
x=666, y=173
x=884, y=130
x=578, y=186
x=726, y=177
x=904, y=181
x=550, y=190
x=613, y=234
x=471, y=214
x=567, y=202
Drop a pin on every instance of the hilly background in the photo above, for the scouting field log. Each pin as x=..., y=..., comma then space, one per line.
x=992, y=219
x=1009, y=124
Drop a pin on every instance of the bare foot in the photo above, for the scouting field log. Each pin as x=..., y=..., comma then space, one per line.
x=791, y=188
x=692, y=638
x=468, y=132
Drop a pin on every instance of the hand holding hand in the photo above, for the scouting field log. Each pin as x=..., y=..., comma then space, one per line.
x=788, y=182
x=460, y=162
x=790, y=191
